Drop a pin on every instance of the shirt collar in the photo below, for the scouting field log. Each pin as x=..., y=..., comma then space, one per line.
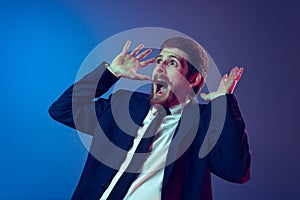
x=175, y=110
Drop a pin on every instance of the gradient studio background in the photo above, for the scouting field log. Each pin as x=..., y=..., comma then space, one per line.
x=43, y=44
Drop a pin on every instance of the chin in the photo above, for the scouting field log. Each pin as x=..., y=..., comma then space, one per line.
x=162, y=102
x=166, y=101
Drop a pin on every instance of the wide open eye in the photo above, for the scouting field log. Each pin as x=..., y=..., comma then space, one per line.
x=158, y=60
x=172, y=63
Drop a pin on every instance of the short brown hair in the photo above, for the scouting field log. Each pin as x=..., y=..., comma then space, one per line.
x=198, y=58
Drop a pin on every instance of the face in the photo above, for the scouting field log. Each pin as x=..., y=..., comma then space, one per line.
x=170, y=86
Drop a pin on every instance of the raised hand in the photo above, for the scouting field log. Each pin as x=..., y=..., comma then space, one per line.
x=125, y=65
x=226, y=85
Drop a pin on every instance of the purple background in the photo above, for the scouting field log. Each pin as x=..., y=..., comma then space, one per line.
x=43, y=44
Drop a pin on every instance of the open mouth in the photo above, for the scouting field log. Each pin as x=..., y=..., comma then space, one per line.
x=161, y=87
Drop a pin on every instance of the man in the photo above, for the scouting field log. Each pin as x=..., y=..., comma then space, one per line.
x=173, y=165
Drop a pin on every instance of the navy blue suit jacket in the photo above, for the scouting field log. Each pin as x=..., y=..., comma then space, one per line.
x=220, y=135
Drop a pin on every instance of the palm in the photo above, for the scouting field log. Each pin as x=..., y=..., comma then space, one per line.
x=227, y=84
x=125, y=65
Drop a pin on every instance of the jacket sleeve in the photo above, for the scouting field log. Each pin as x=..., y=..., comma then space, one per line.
x=76, y=107
x=230, y=157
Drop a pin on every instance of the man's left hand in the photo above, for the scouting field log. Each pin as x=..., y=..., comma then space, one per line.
x=227, y=84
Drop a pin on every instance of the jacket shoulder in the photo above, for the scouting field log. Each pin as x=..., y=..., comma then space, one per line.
x=133, y=95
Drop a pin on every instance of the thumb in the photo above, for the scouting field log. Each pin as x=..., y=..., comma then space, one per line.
x=204, y=96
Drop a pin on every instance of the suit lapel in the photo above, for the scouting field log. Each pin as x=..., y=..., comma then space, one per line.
x=128, y=111
x=139, y=105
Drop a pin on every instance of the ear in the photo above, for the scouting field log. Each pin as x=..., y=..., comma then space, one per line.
x=195, y=80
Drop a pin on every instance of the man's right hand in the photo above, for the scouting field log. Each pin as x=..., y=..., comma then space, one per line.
x=125, y=65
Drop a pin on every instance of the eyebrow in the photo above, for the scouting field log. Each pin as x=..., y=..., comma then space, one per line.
x=170, y=56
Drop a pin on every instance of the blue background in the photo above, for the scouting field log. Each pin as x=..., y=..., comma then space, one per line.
x=43, y=44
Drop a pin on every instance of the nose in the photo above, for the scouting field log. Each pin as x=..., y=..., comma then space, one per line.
x=161, y=68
